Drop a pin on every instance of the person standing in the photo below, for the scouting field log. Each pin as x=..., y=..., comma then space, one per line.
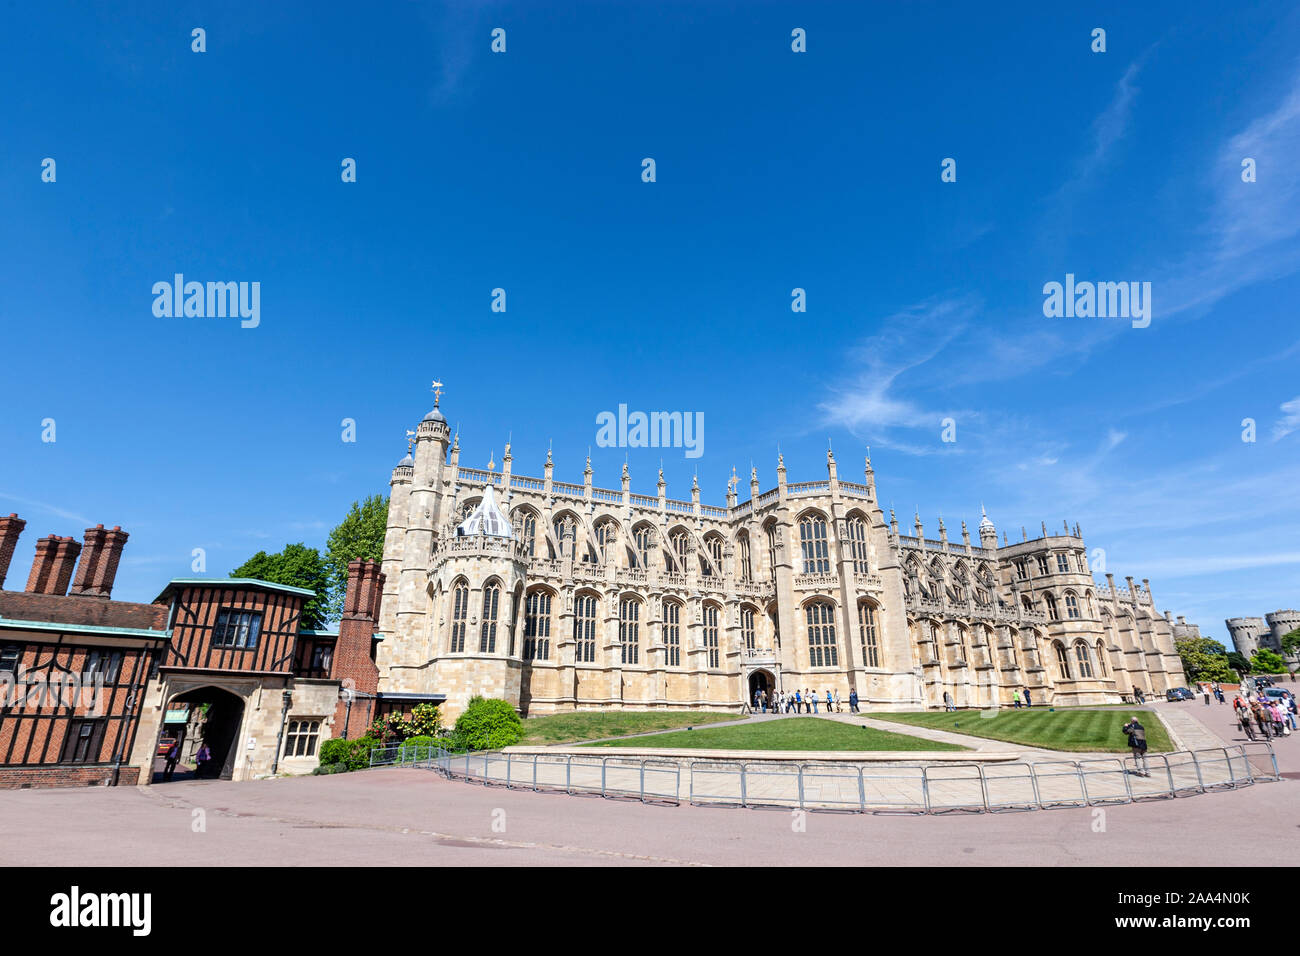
x=172, y=757
x=1015, y=700
x=1137, y=740
x=853, y=700
x=830, y=703
x=204, y=761
x=1029, y=701
x=798, y=701
x=812, y=695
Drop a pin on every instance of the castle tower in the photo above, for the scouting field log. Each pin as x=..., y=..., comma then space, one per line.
x=418, y=487
x=988, y=533
x=477, y=588
x=1246, y=633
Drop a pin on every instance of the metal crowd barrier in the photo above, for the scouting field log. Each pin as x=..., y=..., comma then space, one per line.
x=858, y=788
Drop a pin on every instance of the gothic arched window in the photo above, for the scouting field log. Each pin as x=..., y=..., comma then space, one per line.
x=487, y=632
x=867, y=625
x=713, y=545
x=1071, y=605
x=644, y=538
x=673, y=632
x=1084, y=658
x=747, y=627
x=537, y=626
x=822, y=649
x=528, y=533
x=857, y=535
x=681, y=544
x=629, y=630
x=459, y=611
x=584, y=629
x=711, y=635
x=812, y=540
x=1062, y=659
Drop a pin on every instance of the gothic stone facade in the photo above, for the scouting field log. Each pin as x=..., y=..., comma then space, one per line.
x=605, y=599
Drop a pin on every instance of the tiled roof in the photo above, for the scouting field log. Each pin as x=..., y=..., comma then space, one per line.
x=85, y=611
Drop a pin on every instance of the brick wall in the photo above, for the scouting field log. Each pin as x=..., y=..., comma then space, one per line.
x=354, y=663
x=18, y=778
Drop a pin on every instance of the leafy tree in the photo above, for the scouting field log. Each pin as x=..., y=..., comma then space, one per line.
x=1237, y=661
x=488, y=724
x=1265, y=661
x=1291, y=643
x=298, y=566
x=359, y=535
x=1204, y=660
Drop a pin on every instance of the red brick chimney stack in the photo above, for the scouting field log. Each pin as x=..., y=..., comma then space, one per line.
x=52, y=567
x=42, y=566
x=99, y=561
x=10, y=528
x=353, y=663
x=65, y=562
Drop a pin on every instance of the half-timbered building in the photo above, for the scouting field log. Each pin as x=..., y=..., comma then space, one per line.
x=94, y=689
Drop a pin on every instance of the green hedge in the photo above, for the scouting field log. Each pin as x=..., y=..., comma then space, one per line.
x=344, y=755
x=488, y=724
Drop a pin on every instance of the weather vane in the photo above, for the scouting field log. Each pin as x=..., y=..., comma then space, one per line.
x=410, y=440
x=437, y=392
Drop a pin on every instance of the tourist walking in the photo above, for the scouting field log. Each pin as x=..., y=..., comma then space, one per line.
x=1257, y=712
x=830, y=703
x=947, y=701
x=1243, y=718
x=1279, y=728
x=1029, y=701
x=798, y=701
x=1137, y=740
x=853, y=701
x=1015, y=700
x=812, y=695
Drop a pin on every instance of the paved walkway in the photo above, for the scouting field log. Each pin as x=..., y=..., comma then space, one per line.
x=387, y=818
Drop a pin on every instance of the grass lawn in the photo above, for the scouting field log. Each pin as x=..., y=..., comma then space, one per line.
x=788, y=733
x=1064, y=729
x=592, y=725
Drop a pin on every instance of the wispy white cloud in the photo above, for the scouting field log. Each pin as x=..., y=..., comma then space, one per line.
x=1290, y=419
x=870, y=404
x=43, y=506
x=1113, y=122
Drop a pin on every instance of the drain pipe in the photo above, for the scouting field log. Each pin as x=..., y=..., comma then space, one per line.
x=279, y=738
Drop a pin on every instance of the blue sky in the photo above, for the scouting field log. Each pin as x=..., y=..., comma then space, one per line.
x=775, y=170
